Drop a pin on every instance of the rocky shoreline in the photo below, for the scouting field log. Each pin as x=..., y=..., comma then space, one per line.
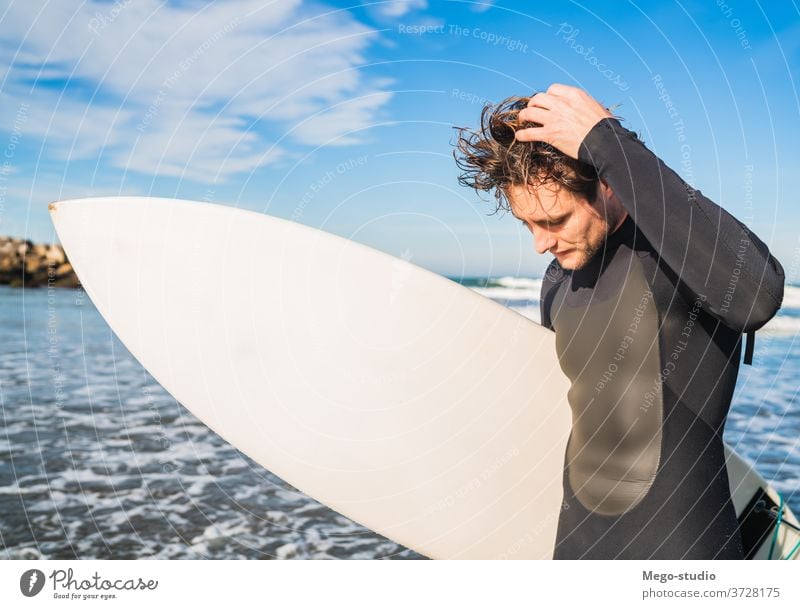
x=33, y=265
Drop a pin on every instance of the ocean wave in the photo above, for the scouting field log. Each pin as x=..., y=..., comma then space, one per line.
x=791, y=297
x=518, y=282
x=782, y=325
x=503, y=295
x=521, y=294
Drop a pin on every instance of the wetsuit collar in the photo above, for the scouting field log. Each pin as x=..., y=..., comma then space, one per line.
x=623, y=232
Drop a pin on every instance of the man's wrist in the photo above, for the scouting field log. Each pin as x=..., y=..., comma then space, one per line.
x=602, y=141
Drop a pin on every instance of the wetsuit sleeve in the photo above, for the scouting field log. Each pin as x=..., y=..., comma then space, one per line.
x=713, y=254
x=553, y=277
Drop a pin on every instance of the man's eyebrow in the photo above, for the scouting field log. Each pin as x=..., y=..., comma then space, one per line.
x=550, y=220
x=553, y=219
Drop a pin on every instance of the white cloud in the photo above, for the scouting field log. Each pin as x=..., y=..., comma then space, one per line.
x=398, y=8
x=186, y=90
x=338, y=125
x=481, y=6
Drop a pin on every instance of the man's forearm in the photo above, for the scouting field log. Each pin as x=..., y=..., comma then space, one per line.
x=710, y=251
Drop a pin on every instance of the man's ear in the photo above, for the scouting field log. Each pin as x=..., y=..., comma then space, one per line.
x=604, y=192
x=606, y=197
x=609, y=202
x=601, y=194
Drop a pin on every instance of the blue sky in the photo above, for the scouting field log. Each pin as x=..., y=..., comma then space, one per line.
x=340, y=115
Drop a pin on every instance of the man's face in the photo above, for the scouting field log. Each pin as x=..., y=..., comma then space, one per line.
x=565, y=223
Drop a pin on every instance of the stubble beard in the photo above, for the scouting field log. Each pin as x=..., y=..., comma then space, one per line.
x=589, y=248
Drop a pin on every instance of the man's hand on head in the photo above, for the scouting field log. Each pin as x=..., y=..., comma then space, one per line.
x=566, y=115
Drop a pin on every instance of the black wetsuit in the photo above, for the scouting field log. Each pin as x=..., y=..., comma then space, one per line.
x=650, y=335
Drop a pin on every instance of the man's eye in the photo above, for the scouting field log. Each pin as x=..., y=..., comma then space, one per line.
x=545, y=223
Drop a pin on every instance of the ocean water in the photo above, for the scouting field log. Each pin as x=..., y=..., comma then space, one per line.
x=98, y=461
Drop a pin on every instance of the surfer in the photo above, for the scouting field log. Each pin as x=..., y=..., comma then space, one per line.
x=650, y=292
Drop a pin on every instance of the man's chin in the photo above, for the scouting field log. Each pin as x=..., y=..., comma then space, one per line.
x=572, y=260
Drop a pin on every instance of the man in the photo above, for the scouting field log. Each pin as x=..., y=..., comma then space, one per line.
x=649, y=294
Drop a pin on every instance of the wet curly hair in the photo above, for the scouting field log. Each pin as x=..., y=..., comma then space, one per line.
x=491, y=159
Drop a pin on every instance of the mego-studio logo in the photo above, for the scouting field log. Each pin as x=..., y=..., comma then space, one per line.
x=66, y=586
x=31, y=582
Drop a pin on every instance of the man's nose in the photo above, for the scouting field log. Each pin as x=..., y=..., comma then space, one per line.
x=543, y=240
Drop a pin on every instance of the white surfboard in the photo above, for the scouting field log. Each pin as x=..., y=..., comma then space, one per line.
x=404, y=401
x=753, y=498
